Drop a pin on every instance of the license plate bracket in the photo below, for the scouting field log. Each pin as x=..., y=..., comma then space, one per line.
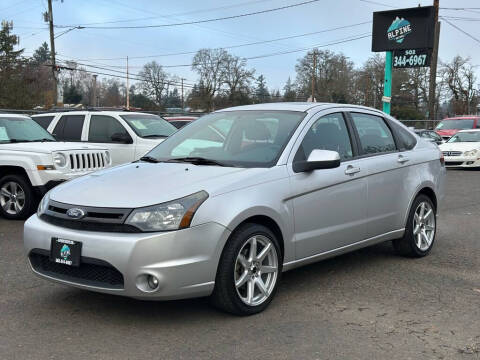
x=66, y=252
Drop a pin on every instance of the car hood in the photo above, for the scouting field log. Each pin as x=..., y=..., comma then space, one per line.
x=449, y=132
x=48, y=147
x=460, y=146
x=142, y=184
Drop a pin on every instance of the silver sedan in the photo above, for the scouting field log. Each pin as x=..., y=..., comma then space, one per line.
x=225, y=205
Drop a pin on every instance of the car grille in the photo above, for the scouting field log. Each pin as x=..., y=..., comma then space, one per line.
x=452, y=153
x=88, y=160
x=453, y=163
x=91, y=272
x=96, y=218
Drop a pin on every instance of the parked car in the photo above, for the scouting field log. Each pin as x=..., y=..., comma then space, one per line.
x=127, y=135
x=462, y=149
x=450, y=126
x=429, y=135
x=292, y=183
x=32, y=162
x=180, y=121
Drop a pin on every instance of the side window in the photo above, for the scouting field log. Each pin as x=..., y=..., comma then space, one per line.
x=69, y=128
x=103, y=127
x=375, y=136
x=478, y=123
x=435, y=136
x=406, y=140
x=327, y=133
x=43, y=121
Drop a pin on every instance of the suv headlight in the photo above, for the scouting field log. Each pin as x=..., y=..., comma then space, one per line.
x=60, y=160
x=172, y=215
x=43, y=206
x=470, y=153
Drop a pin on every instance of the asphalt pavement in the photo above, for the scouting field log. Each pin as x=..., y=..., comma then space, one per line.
x=370, y=304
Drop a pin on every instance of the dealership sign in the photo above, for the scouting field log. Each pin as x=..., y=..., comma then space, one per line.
x=403, y=29
x=411, y=58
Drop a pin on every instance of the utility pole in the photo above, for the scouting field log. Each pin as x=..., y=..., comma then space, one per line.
x=52, y=51
x=128, y=89
x=183, y=103
x=433, y=64
x=314, y=73
x=95, y=90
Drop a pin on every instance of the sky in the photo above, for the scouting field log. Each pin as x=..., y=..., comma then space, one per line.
x=95, y=46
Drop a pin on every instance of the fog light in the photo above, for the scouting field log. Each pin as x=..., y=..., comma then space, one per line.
x=152, y=282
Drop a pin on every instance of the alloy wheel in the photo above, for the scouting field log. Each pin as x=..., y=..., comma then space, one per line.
x=256, y=270
x=12, y=198
x=424, y=226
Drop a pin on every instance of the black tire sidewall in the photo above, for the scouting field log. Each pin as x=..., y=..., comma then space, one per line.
x=29, y=197
x=225, y=274
x=409, y=236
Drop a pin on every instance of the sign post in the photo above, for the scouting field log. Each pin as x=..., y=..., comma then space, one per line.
x=406, y=36
x=387, y=86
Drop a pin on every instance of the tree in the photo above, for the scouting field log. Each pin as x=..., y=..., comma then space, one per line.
x=289, y=93
x=210, y=64
x=71, y=94
x=237, y=78
x=261, y=91
x=41, y=55
x=155, y=82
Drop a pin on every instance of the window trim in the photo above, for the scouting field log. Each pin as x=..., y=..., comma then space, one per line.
x=361, y=153
x=107, y=142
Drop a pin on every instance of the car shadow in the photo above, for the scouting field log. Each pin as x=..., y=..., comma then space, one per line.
x=185, y=311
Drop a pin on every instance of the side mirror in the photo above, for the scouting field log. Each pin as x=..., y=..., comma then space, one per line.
x=318, y=159
x=122, y=138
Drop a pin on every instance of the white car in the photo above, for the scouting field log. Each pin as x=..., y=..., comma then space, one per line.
x=462, y=149
x=127, y=135
x=32, y=162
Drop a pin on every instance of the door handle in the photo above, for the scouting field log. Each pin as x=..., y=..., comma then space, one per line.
x=402, y=159
x=350, y=170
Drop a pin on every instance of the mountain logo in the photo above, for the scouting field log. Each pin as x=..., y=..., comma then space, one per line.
x=65, y=252
x=399, y=29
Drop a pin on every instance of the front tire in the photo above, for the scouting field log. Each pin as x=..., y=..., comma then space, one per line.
x=420, y=230
x=249, y=271
x=16, y=197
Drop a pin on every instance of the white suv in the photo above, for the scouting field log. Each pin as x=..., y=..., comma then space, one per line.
x=32, y=162
x=127, y=135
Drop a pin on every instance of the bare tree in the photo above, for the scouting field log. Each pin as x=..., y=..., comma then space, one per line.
x=237, y=77
x=210, y=65
x=155, y=82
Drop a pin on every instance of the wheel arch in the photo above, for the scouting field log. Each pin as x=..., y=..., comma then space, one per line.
x=14, y=170
x=426, y=189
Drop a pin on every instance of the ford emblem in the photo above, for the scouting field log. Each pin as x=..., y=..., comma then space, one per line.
x=76, y=213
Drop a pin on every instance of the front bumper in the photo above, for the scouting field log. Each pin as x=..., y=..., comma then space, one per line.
x=185, y=261
x=462, y=161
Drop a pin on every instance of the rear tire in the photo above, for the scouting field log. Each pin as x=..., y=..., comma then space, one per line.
x=421, y=229
x=17, y=200
x=249, y=271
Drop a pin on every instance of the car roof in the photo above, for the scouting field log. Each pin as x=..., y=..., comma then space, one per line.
x=467, y=117
x=469, y=130
x=296, y=106
x=84, y=112
x=13, y=115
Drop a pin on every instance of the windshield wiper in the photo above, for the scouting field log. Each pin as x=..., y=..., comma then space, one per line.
x=195, y=160
x=154, y=136
x=149, y=159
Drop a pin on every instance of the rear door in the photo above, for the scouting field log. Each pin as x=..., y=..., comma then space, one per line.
x=103, y=130
x=329, y=204
x=387, y=164
x=69, y=128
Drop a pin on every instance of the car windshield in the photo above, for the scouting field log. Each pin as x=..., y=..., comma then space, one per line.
x=457, y=124
x=22, y=129
x=470, y=136
x=149, y=126
x=231, y=138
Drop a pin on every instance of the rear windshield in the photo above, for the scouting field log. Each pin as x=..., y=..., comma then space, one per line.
x=455, y=124
x=149, y=126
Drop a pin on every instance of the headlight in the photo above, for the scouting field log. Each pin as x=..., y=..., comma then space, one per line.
x=107, y=157
x=43, y=206
x=60, y=160
x=470, y=153
x=173, y=215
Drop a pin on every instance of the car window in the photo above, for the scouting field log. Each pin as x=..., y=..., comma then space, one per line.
x=435, y=136
x=18, y=129
x=406, y=140
x=103, y=127
x=455, y=124
x=69, y=128
x=327, y=133
x=43, y=121
x=478, y=123
x=179, y=124
x=374, y=134
x=149, y=126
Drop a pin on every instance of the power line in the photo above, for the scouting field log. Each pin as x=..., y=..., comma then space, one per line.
x=461, y=30
x=197, y=21
x=234, y=46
